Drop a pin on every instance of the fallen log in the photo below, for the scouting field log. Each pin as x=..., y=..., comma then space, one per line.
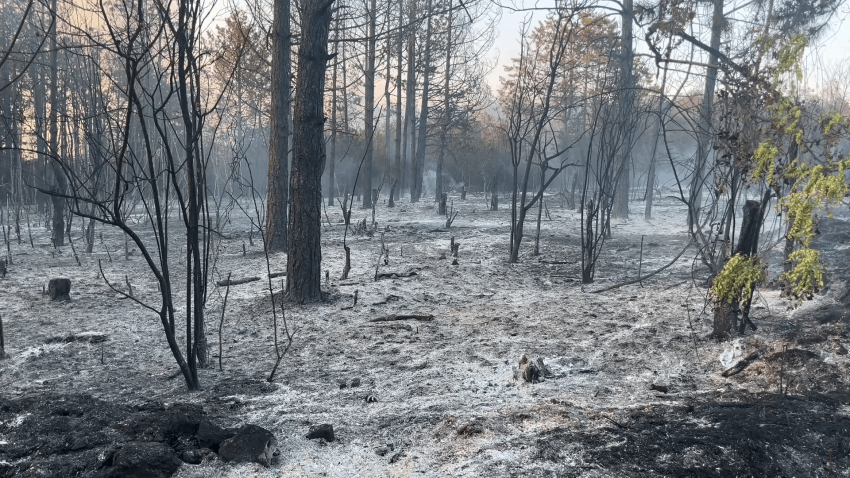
x=395, y=275
x=741, y=365
x=227, y=282
x=393, y=317
x=277, y=274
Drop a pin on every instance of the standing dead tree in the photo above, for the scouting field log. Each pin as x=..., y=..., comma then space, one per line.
x=528, y=99
x=157, y=158
x=304, y=258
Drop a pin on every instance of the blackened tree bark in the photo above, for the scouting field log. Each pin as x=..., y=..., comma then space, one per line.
x=332, y=158
x=447, y=109
x=369, y=108
x=397, y=169
x=278, y=194
x=627, y=117
x=60, y=184
x=419, y=158
x=304, y=279
x=726, y=314
x=410, y=100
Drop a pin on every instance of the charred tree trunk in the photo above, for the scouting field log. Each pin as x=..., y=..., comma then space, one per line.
x=304, y=278
x=494, y=194
x=278, y=194
x=410, y=101
x=726, y=314
x=446, y=107
x=332, y=157
x=627, y=118
x=419, y=159
x=59, y=182
x=369, y=108
x=398, y=127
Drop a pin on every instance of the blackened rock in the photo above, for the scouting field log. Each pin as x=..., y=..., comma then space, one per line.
x=324, y=430
x=659, y=388
x=210, y=435
x=251, y=444
x=192, y=457
x=197, y=456
x=144, y=460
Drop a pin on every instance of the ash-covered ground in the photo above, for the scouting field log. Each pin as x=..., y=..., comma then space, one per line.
x=437, y=397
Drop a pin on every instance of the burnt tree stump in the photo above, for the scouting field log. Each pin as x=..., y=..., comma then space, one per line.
x=444, y=197
x=392, y=194
x=729, y=317
x=58, y=289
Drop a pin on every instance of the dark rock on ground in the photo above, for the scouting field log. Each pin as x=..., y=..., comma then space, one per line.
x=251, y=444
x=324, y=430
x=197, y=456
x=210, y=435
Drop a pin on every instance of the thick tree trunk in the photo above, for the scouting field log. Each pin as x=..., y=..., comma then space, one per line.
x=332, y=157
x=628, y=117
x=60, y=184
x=446, y=106
x=278, y=194
x=304, y=278
x=398, y=128
x=418, y=169
x=409, y=146
x=369, y=113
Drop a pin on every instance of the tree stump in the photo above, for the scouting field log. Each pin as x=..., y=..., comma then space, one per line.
x=463, y=193
x=391, y=202
x=444, y=197
x=58, y=289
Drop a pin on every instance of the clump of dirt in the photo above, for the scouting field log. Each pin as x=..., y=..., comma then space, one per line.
x=78, y=435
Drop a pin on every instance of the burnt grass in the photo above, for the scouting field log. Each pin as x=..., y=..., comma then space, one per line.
x=89, y=378
x=78, y=435
x=769, y=435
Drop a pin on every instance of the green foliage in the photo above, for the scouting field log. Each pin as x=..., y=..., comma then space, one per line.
x=806, y=277
x=738, y=277
x=765, y=157
x=815, y=187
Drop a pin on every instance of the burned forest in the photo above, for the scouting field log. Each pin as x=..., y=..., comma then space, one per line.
x=473, y=238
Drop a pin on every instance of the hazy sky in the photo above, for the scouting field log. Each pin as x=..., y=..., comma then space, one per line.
x=832, y=49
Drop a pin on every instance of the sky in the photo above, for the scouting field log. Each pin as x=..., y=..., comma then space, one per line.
x=831, y=50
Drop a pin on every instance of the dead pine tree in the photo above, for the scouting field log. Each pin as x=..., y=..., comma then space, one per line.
x=347, y=213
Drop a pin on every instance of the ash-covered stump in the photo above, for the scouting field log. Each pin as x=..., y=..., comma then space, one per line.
x=59, y=289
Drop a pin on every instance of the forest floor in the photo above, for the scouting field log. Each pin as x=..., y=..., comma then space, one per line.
x=439, y=397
